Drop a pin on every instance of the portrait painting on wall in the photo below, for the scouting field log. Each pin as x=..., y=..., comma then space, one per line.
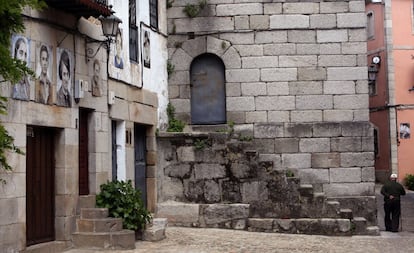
x=146, y=47
x=44, y=92
x=96, y=81
x=64, y=71
x=118, y=58
x=20, y=50
x=405, y=131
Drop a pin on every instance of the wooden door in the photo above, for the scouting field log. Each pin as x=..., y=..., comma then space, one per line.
x=40, y=185
x=140, y=161
x=114, y=156
x=83, y=153
x=208, y=98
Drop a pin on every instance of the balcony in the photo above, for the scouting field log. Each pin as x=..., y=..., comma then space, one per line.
x=84, y=8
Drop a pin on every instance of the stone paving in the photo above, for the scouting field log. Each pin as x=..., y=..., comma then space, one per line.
x=201, y=240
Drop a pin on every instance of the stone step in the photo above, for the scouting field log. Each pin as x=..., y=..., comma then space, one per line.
x=360, y=225
x=99, y=225
x=319, y=226
x=94, y=213
x=346, y=213
x=332, y=209
x=86, y=201
x=119, y=240
x=306, y=190
x=156, y=230
x=373, y=230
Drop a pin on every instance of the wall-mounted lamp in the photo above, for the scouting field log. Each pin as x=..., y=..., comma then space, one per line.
x=372, y=73
x=110, y=27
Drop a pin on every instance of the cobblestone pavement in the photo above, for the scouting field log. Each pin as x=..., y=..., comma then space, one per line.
x=197, y=240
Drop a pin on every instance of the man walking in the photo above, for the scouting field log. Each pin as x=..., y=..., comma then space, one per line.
x=392, y=190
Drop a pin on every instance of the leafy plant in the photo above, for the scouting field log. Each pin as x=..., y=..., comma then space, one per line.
x=174, y=125
x=409, y=181
x=200, y=144
x=170, y=68
x=192, y=10
x=290, y=173
x=223, y=45
x=169, y=3
x=11, y=69
x=245, y=138
x=123, y=201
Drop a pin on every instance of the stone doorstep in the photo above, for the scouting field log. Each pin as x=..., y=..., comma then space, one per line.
x=86, y=201
x=301, y=226
x=346, y=213
x=99, y=225
x=94, y=213
x=55, y=246
x=124, y=239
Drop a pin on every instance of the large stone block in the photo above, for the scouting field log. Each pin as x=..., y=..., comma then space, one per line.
x=260, y=62
x=357, y=159
x=209, y=171
x=349, y=189
x=256, y=117
x=347, y=73
x=286, y=145
x=359, y=101
x=268, y=130
x=300, y=36
x=277, y=88
x=337, y=60
x=253, y=89
x=310, y=145
x=268, y=37
x=296, y=161
x=259, y=22
x=329, y=36
x=219, y=213
x=306, y=116
x=249, y=50
x=238, y=38
x=179, y=213
x=292, y=21
x=325, y=21
x=334, y=7
x=313, y=176
x=287, y=61
x=339, y=87
x=241, y=104
x=351, y=20
x=275, y=103
x=243, y=75
x=346, y=144
x=253, y=191
x=309, y=102
x=301, y=8
x=278, y=116
x=325, y=160
x=194, y=47
x=311, y=74
x=200, y=24
x=307, y=48
x=278, y=74
x=279, y=49
x=272, y=8
x=302, y=88
x=345, y=175
x=239, y=9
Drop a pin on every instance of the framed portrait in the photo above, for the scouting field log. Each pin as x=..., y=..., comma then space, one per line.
x=20, y=50
x=44, y=88
x=146, y=46
x=405, y=132
x=64, y=65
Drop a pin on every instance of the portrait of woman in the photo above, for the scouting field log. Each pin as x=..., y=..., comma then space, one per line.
x=118, y=61
x=21, y=52
x=64, y=97
x=43, y=81
x=146, y=45
x=96, y=79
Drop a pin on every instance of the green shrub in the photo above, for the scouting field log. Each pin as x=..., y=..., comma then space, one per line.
x=174, y=125
x=409, y=182
x=123, y=201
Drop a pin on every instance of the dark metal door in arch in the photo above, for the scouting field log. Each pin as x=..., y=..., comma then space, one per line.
x=140, y=161
x=208, y=98
x=40, y=185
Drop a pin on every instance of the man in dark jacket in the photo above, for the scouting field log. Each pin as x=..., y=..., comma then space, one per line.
x=392, y=190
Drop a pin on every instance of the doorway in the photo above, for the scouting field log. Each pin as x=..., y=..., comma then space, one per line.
x=208, y=98
x=140, y=161
x=40, y=185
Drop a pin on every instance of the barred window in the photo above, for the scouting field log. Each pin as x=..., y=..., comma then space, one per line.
x=154, y=13
x=133, y=31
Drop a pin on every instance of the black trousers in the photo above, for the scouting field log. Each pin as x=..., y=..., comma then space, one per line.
x=392, y=210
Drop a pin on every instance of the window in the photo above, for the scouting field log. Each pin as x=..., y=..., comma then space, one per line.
x=133, y=31
x=372, y=88
x=154, y=13
x=376, y=148
x=370, y=26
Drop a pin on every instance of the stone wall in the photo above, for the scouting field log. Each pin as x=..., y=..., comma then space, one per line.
x=296, y=87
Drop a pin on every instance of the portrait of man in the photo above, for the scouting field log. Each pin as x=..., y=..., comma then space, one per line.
x=21, y=52
x=64, y=96
x=118, y=61
x=146, y=52
x=405, y=131
x=44, y=87
x=96, y=79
